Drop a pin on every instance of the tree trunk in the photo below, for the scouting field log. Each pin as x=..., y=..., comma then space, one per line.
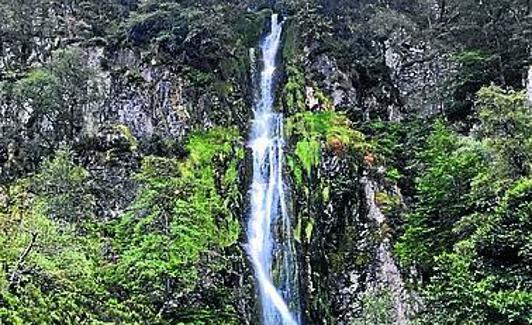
x=442, y=9
x=529, y=85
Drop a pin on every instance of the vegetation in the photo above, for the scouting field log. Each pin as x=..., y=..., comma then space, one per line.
x=62, y=265
x=49, y=248
x=319, y=131
x=377, y=309
x=179, y=216
x=122, y=160
x=467, y=232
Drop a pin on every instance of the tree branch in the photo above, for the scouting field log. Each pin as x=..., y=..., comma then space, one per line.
x=22, y=257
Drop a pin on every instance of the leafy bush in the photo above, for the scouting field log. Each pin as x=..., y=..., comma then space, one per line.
x=62, y=187
x=450, y=166
x=186, y=210
x=50, y=272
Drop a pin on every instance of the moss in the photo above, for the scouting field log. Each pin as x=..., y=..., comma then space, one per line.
x=198, y=78
x=324, y=101
x=315, y=132
x=336, y=261
x=293, y=93
x=326, y=193
x=386, y=201
x=296, y=169
x=362, y=260
x=308, y=230
x=308, y=152
x=125, y=131
x=206, y=150
x=291, y=43
x=297, y=231
x=224, y=88
x=393, y=174
x=134, y=76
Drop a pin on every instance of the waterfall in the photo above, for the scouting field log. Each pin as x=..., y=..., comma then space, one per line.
x=270, y=244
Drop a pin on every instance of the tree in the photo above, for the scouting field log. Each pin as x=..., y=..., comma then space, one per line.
x=183, y=216
x=470, y=228
x=49, y=255
x=449, y=166
x=506, y=123
x=48, y=105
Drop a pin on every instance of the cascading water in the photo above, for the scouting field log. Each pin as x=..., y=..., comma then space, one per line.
x=270, y=244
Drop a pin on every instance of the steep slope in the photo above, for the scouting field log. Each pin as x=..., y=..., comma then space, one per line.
x=124, y=168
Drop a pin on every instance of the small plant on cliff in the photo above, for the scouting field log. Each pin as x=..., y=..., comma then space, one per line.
x=315, y=132
x=377, y=308
x=293, y=95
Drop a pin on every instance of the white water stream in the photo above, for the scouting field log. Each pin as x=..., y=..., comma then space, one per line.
x=270, y=245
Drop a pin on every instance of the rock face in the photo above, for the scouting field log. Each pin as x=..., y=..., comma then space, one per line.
x=334, y=81
x=153, y=105
x=387, y=277
x=348, y=269
x=348, y=265
x=334, y=253
x=348, y=272
x=418, y=73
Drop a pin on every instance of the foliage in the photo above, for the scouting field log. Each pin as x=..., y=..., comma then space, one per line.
x=50, y=267
x=377, y=308
x=162, y=22
x=33, y=29
x=505, y=123
x=48, y=103
x=469, y=230
x=64, y=189
x=125, y=131
x=41, y=89
x=308, y=152
x=203, y=38
x=167, y=257
x=450, y=167
x=322, y=130
x=62, y=265
x=474, y=72
x=185, y=211
x=294, y=91
x=393, y=174
x=387, y=202
x=395, y=147
x=462, y=299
